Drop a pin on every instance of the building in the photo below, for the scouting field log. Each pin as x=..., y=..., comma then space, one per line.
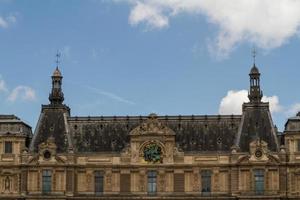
x=150, y=157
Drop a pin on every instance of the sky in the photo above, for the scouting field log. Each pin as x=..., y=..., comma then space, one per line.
x=136, y=57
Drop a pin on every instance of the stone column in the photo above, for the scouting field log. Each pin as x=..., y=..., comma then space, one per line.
x=234, y=180
x=24, y=175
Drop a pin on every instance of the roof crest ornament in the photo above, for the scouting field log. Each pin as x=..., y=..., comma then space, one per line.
x=57, y=55
x=254, y=53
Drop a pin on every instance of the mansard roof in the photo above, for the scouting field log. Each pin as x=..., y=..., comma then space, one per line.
x=13, y=125
x=194, y=133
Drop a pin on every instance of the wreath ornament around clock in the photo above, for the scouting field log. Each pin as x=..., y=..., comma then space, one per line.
x=152, y=153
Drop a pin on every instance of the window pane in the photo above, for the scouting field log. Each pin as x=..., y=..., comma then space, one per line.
x=8, y=147
x=46, y=181
x=152, y=182
x=259, y=181
x=206, y=182
x=99, y=182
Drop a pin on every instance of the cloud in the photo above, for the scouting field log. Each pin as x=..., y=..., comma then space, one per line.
x=264, y=23
x=5, y=22
x=110, y=95
x=149, y=14
x=293, y=110
x=274, y=103
x=22, y=92
x=233, y=101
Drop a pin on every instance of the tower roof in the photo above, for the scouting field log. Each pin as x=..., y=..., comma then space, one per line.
x=254, y=70
x=57, y=73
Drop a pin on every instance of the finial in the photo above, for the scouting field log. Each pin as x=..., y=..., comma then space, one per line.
x=58, y=54
x=254, y=52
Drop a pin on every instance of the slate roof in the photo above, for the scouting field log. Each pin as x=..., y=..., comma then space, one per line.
x=11, y=125
x=193, y=133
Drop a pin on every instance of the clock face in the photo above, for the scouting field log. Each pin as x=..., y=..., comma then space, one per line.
x=152, y=153
x=47, y=154
x=258, y=153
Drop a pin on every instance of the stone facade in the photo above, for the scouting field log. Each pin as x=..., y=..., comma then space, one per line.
x=150, y=157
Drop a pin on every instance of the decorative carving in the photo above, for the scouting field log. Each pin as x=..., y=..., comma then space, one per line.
x=258, y=150
x=7, y=183
x=196, y=182
x=48, y=148
x=162, y=182
x=152, y=126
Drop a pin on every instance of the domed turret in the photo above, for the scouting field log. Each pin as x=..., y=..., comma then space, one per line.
x=56, y=73
x=56, y=96
x=255, y=94
x=254, y=70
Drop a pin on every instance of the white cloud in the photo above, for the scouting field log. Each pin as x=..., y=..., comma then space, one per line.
x=233, y=101
x=274, y=103
x=265, y=23
x=293, y=110
x=149, y=14
x=110, y=95
x=5, y=22
x=22, y=92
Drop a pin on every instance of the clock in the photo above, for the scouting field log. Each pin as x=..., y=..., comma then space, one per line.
x=152, y=153
x=258, y=153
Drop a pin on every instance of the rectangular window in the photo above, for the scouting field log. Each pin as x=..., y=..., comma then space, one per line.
x=8, y=147
x=46, y=181
x=259, y=181
x=152, y=176
x=298, y=143
x=206, y=182
x=99, y=182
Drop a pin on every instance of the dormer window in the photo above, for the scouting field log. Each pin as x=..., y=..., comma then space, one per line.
x=8, y=147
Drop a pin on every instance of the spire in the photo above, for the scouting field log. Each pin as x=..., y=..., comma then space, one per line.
x=255, y=94
x=254, y=55
x=56, y=97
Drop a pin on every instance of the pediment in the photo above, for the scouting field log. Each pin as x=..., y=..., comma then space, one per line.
x=40, y=160
x=266, y=158
x=152, y=126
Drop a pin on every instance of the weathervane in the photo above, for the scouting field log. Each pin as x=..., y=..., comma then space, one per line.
x=58, y=54
x=254, y=52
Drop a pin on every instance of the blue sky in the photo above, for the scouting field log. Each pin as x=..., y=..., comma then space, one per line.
x=135, y=57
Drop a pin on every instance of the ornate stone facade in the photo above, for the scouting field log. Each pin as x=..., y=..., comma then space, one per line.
x=150, y=157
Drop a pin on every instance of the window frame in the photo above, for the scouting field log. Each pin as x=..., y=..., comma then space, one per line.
x=6, y=147
x=99, y=182
x=206, y=176
x=259, y=181
x=46, y=181
x=152, y=182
